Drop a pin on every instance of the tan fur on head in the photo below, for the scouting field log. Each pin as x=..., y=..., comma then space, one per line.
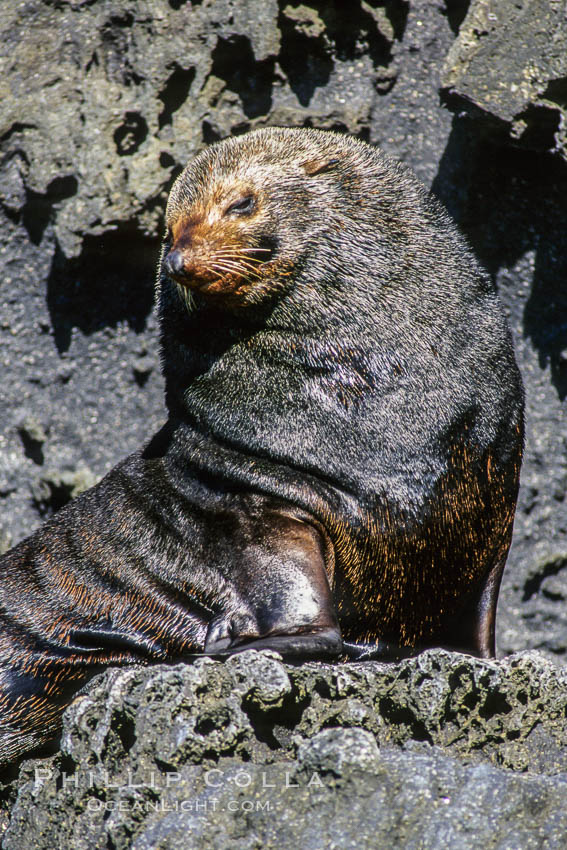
x=233, y=224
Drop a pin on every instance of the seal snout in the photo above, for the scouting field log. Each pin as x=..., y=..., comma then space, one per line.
x=187, y=268
x=215, y=259
x=175, y=264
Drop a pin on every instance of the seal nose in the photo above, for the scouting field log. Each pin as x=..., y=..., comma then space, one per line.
x=174, y=263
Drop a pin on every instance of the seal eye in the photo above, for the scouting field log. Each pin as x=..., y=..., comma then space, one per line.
x=243, y=206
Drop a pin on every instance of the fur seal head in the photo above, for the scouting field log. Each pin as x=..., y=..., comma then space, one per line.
x=239, y=227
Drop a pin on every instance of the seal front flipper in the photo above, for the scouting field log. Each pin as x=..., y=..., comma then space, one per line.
x=284, y=599
x=319, y=643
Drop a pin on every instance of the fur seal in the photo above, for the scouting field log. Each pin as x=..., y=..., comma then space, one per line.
x=339, y=470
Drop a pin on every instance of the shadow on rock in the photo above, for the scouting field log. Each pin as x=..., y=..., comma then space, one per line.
x=512, y=202
x=111, y=282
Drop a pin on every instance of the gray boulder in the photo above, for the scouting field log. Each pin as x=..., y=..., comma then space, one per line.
x=509, y=66
x=438, y=751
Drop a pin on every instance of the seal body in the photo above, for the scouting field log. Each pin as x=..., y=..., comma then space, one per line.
x=339, y=470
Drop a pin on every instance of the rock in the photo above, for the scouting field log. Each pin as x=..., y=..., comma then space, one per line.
x=121, y=104
x=5, y=541
x=33, y=436
x=109, y=116
x=142, y=368
x=56, y=487
x=338, y=752
x=441, y=750
x=509, y=65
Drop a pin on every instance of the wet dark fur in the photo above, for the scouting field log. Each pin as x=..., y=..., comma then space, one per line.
x=344, y=440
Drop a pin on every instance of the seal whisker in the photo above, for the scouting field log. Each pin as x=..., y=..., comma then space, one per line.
x=237, y=250
x=186, y=296
x=226, y=264
x=239, y=269
x=243, y=260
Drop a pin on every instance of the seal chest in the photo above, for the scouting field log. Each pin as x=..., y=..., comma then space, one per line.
x=339, y=469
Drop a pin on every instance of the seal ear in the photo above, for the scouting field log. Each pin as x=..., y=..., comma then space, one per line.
x=318, y=166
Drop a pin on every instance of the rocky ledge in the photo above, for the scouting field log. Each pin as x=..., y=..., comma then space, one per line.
x=438, y=751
